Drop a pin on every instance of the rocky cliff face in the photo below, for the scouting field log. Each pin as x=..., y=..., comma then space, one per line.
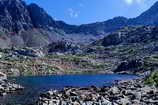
x=14, y=15
x=20, y=27
x=39, y=17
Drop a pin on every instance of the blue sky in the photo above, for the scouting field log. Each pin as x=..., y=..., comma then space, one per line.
x=88, y=11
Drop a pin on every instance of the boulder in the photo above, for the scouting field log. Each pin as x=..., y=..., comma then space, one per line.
x=3, y=76
x=115, y=90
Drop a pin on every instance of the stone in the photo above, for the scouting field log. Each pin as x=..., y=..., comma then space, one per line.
x=15, y=72
x=106, y=102
x=115, y=90
x=76, y=103
x=3, y=76
x=125, y=101
x=3, y=94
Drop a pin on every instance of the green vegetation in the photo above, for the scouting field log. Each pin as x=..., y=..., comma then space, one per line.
x=152, y=79
x=151, y=63
x=58, y=63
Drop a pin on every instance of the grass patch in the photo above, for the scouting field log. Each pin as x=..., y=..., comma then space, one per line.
x=152, y=79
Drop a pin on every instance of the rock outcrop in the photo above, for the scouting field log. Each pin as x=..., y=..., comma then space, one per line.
x=40, y=19
x=132, y=34
x=132, y=66
x=6, y=87
x=14, y=15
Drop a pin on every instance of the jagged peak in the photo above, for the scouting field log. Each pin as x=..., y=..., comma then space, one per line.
x=33, y=5
x=11, y=1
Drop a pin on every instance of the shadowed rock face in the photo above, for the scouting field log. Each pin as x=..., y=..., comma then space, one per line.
x=39, y=17
x=20, y=27
x=132, y=66
x=14, y=15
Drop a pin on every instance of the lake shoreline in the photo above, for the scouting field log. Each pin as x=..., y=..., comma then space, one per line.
x=122, y=93
x=8, y=87
x=39, y=84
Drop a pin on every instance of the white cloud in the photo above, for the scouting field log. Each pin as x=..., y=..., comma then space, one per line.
x=133, y=1
x=73, y=13
x=129, y=1
x=81, y=5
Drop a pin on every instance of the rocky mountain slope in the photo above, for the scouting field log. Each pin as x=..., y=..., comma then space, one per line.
x=149, y=17
x=131, y=50
x=29, y=25
x=134, y=47
x=136, y=34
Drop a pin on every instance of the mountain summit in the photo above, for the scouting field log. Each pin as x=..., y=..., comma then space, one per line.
x=149, y=17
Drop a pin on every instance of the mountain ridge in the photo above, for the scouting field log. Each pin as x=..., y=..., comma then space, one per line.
x=32, y=26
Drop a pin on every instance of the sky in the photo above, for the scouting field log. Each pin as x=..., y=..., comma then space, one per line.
x=88, y=11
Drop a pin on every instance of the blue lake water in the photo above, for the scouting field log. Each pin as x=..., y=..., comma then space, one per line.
x=37, y=84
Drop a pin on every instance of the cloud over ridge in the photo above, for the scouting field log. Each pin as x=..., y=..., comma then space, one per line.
x=133, y=1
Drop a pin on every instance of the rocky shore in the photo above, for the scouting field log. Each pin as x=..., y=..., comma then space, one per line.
x=122, y=93
x=6, y=87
